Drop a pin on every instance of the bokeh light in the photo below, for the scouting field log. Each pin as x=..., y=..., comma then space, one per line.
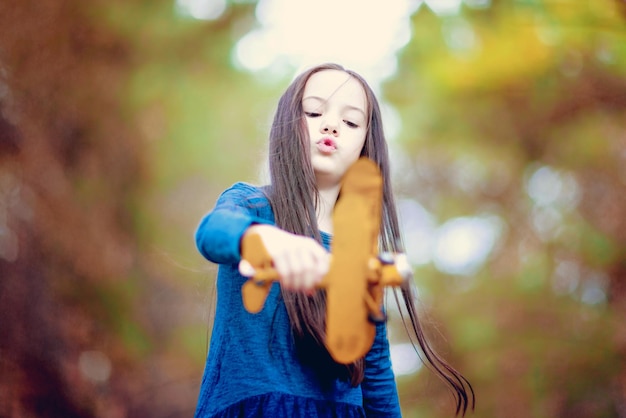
x=300, y=33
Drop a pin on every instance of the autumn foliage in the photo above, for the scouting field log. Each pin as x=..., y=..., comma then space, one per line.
x=120, y=122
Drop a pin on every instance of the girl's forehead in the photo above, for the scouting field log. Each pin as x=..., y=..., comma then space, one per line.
x=335, y=85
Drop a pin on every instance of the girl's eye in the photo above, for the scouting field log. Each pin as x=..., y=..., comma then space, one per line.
x=312, y=114
x=351, y=124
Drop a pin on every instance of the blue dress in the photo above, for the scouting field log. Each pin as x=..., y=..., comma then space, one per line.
x=253, y=369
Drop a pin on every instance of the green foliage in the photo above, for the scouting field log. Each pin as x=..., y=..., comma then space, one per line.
x=494, y=94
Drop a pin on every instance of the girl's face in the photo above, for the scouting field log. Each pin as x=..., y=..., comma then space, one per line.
x=335, y=108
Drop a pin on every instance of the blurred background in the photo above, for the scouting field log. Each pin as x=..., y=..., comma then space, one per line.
x=122, y=121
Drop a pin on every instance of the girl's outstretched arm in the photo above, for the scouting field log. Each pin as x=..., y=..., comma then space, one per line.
x=219, y=233
x=300, y=261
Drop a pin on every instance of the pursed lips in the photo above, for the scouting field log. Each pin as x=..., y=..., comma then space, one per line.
x=326, y=145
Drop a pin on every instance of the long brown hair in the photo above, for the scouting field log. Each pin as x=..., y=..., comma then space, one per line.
x=294, y=197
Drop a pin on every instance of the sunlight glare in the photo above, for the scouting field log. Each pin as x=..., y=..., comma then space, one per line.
x=201, y=9
x=463, y=244
x=593, y=290
x=459, y=35
x=249, y=51
x=444, y=7
x=547, y=186
x=566, y=278
x=547, y=222
x=361, y=36
x=419, y=228
x=404, y=359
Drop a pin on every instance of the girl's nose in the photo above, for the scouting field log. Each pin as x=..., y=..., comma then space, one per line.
x=328, y=130
x=328, y=127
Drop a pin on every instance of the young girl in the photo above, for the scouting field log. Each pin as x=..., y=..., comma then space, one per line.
x=274, y=363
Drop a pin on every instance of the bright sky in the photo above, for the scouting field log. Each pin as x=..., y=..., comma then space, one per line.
x=361, y=35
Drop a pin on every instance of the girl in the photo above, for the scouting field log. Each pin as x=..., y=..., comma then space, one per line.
x=274, y=363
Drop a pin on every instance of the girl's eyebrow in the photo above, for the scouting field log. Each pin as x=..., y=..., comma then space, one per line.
x=324, y=100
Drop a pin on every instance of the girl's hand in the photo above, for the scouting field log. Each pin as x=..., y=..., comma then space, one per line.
x=301, y=262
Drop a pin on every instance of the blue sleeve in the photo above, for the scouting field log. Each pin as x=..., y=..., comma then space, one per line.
x=220, y=231
x=380, y=394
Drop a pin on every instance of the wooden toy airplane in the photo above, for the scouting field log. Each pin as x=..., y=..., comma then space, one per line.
x=358, y=274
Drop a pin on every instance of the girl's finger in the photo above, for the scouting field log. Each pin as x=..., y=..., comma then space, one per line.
x=246, y=269
x=283, y=268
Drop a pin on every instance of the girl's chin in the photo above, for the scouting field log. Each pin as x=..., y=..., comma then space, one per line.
x=326, y=176
x=324, y=167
